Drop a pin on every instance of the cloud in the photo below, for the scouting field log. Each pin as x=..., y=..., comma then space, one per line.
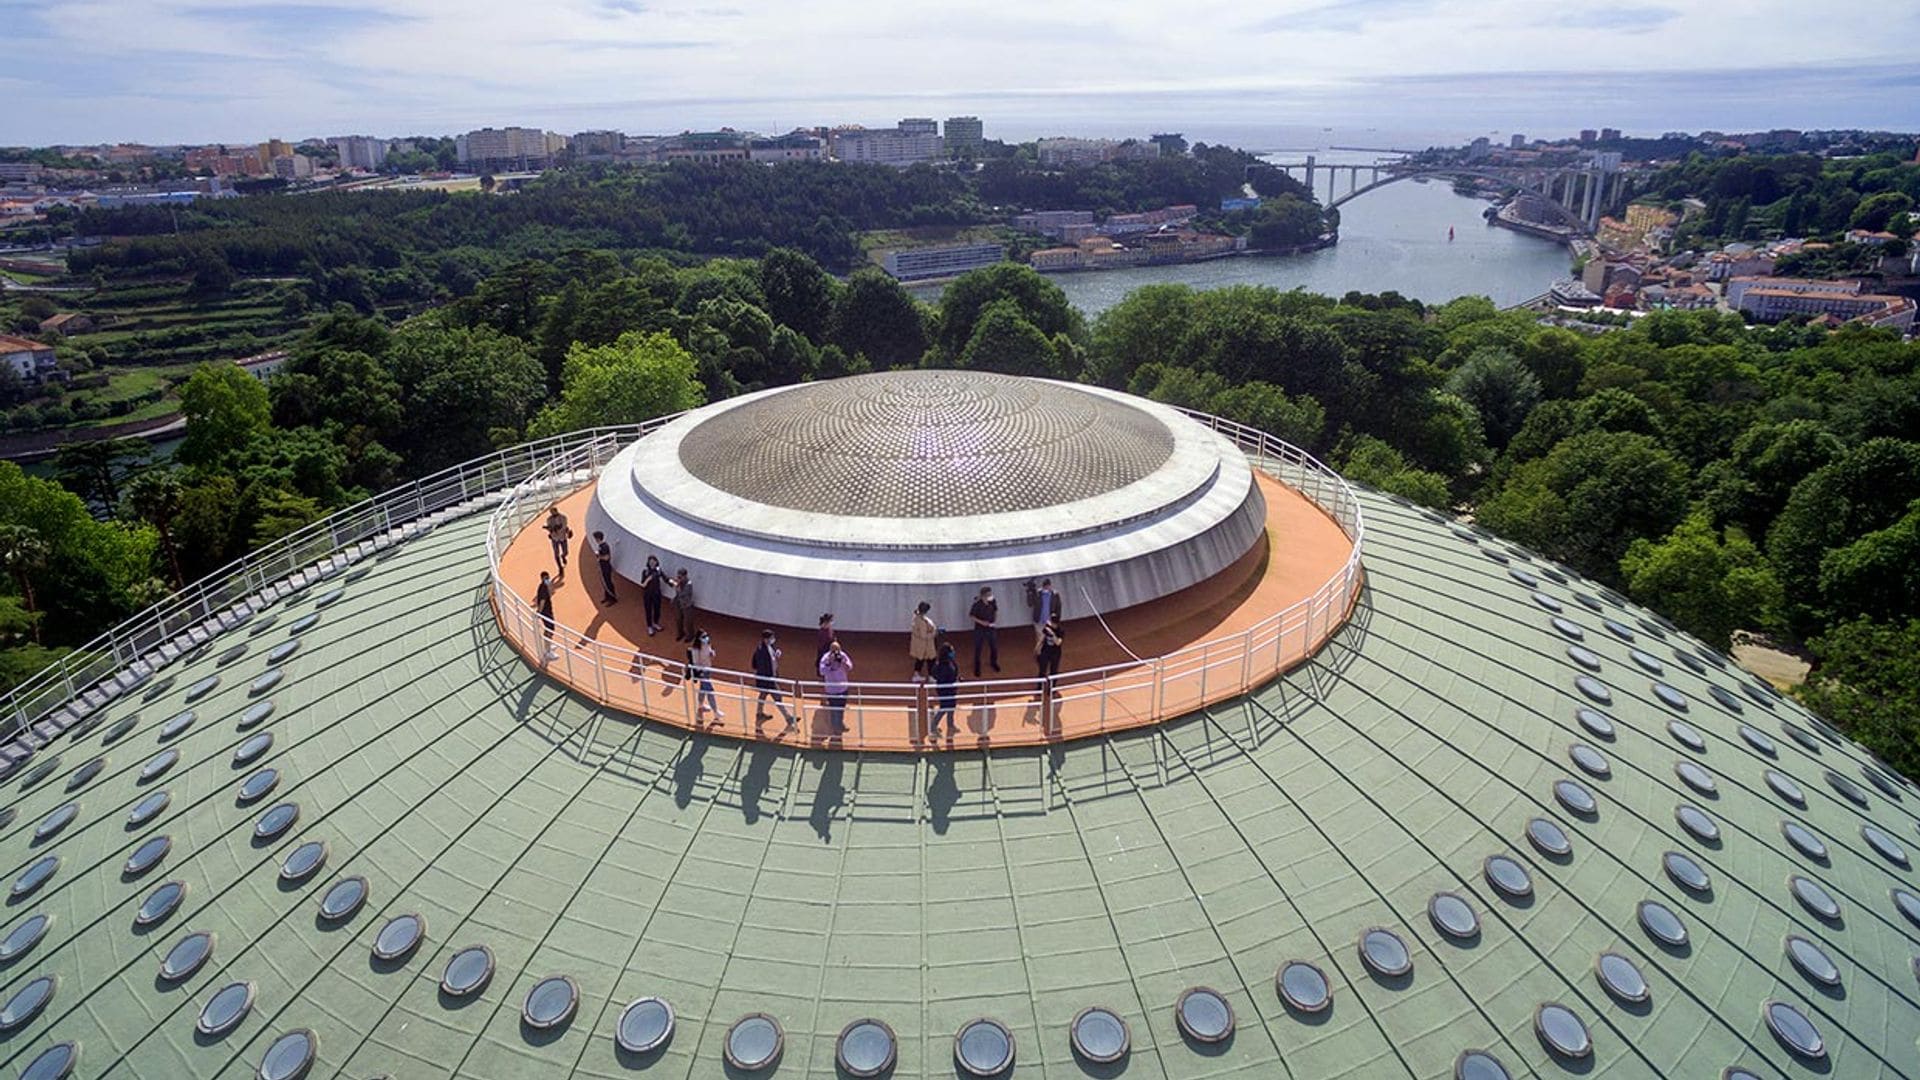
x=1344, y=16
x=1634, y=19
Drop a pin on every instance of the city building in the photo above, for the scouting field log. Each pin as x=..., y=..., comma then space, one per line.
x=293, y=167
x=705, y=147
x=914, y=264
x=362, y=152
x=1609, y=134
x=262, y=366
x=1171, y=143
x=913, y=141
x=272, y=148
x=503, y=149
x=1517, y=142
x=794, y=146
x=30, y=361
x=1064, y=151
x=1386, y=796
x=597, y=145
x=20, y=172
x=1056, y=223
x=1589, y=135
x=1773, y=299
x=965, y=137
x=67, y=322
x=1121, y=224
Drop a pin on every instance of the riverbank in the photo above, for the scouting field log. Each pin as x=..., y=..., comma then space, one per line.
x=31, y=446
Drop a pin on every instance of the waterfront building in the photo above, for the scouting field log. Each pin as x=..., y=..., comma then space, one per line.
x=965, y=137
x=1054, y=259
x=915, y=264
x=912, y=142
x=1121, y=224
x=1064, y=151
x=363, y=152
x=1055, y=223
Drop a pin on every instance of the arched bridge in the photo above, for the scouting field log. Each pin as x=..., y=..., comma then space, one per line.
x=1574, y=195
x=1510, y=178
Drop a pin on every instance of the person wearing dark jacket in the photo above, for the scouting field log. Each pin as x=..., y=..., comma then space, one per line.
x=766, y=679
x=946, y=676
x=986, y=634
x=603, y=551
x=652, y=581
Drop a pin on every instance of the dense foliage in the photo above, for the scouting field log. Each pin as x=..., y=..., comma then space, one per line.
x=1755, y=196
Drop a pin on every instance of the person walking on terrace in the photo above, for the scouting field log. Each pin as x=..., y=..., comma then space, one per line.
x=766, y=679
x=986, y=632
x=683, y=610
x=700, y=672
x=1052, y=641
x=603, y=551
x=558, y=534
x=1044, y=604
x=836, y=670
x=652, y=587
x=946, y=676
x=921, y=642
x=543, y=603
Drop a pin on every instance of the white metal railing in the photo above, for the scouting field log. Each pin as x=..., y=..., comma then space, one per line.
x=894, y=715
x=153, y=637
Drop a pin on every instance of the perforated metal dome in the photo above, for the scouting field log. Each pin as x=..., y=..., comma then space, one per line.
x=926, y=444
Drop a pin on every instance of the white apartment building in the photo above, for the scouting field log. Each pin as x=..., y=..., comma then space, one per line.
x=360, y=152
x=913, y=141
x=508, y=148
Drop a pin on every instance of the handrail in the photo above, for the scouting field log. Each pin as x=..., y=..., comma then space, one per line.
x=617, y=675
x=281, y=565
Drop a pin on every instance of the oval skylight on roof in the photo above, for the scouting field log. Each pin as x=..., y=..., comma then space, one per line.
x=1686, y=873
x=258, y=784
x=1497, y=556
x=266, y=681
x=1801, y=736
x=1661, y=923
x=983, y=1047
x=1204, y=1015
x=1887, y=846
x=1687, y=735
x=254, y=714
x=1382, y=951
x=1618, y=629
x=1726, y=698
x=1813, y=897
x=1563, y=1032
x=1649, y=664
x=264, y=623
x=160, y=903
x=1548, y=602
x=228, y=656
x=1907, y=904
x=1696, y=777
x=1100, y=1035
x=176, y=724
x=1758, y=740
x=158, y=764
x=255, y=744
x=1591, y=761
x=329, y=597
x=1847, y=789
x=866, y=1048
x=186, y=956
x=1550, y=838
x=1595, y=721
x=1303, y=986
x=7, y=814
x=290, y=1056
x=27, y=1002
x=1698, y=823
x=161, y=687
x=1588, y=601
x=1884, y=785
x=1621, y=978
x=1812, y=962
x=1794, y=1030
x=39, y=772
x=280, y=652
x=1671, y=698
x=35, y=876
x=1784, y=787
x=302, y=861
x=147, y=855
x=1453, y=916
x=343, y=898
x=1757, y=695
x=120, y=728
x=645, y=1026
x=201, y=689
x=1691, y=661
x=276, y=820
x=1479, y=1065
x=302, y=624
x=1575, y=797
x=1584, y=656
x=85, y=773
x=467, y=971
x=1508, y=876
x=399, y=937
x=1594, y=689
x=24, y=936
x=225, y=1009
x=754, y=1042
x=56, y=1062
x=1569, y=628
x=1523, y=577
x=51, y=825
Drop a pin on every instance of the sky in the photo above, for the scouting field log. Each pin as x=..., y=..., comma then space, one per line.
x=1270, y=73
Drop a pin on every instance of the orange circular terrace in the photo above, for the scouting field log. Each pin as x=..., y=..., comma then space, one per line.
x=1268, y=611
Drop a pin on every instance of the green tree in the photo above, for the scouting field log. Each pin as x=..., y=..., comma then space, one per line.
x=225, y=409
x=1589, y=498
x=1135, y=331
x=458, y=386
x=1376, y=464
x=636, y=378
x=1286, y=221
x=878, y=319
x=25, y=555
x=1866, y=679
x=1035, y=299
x=1711, y=582
x=1867, y=489
x=1500, y=389
x=154, y=497
x=1004, y=341
x=1875, y=212
x=799, y=294
x=1877, y=575
x=1298, y=420
x=1557, y=357
x=95, y=470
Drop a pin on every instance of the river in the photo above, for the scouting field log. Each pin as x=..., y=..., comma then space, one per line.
x=1391, y=239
